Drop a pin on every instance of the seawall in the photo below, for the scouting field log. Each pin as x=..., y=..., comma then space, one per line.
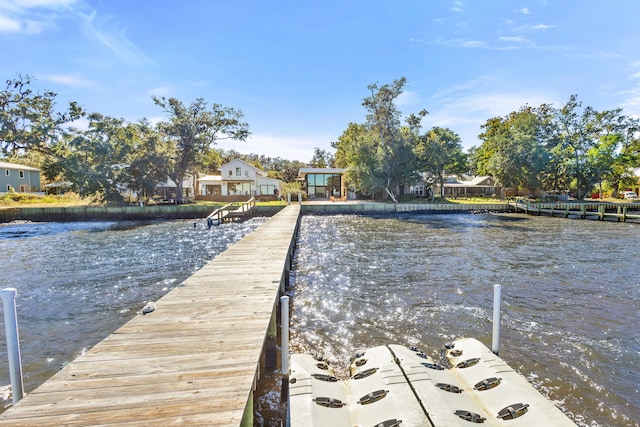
x=137, y=213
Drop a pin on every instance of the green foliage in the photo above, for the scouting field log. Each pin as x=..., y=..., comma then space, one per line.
x=379, y=153
x=193, y=129
x=513, y=149
x=322, y=159
x=568, y=148
x=28, y=120
x=20, y=199
x=438, y=152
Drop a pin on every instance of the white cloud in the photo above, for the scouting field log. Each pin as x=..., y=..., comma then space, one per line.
x=407, y=98
x=537, y=27
x=71, y=80
x=513, y=39
x=524, y=11
x=288, y=147
x=115, y=40
x=457, y=6
x=30, y=16
x=9, y=25
x=160, y=91
x=49, y=4
x=542, y=27
x=474, y=44
x=465, y=114
x=461, y=43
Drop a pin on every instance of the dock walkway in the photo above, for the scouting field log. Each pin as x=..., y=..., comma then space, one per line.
x=193, y=361
x=599, y=211
x=232, y=212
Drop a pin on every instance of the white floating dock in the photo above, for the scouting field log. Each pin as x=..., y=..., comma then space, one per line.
x=397, y=386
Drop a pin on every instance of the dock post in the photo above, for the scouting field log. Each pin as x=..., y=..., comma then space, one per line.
x=284, y=324
x=8, y=296
x=288, y=199
x=495, y=340
x=300, y=198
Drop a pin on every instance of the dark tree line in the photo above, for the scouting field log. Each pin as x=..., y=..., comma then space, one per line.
x=112, y=155
x=572, y=148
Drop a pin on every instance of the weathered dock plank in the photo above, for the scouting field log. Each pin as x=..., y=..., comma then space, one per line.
x=193, y=361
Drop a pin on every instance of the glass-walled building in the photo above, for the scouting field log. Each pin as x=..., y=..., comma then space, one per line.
x=323, y=183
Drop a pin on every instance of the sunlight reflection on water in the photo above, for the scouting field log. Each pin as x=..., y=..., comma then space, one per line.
x=570, y=293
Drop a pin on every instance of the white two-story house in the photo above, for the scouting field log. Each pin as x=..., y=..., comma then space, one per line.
x=239, y=178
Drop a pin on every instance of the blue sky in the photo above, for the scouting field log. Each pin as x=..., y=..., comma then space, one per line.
x=299, y=70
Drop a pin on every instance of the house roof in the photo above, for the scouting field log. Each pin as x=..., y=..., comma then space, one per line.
x=210, y=178
x=478, y=181
x=305, y=171
x=15, y=166
x=258, y=170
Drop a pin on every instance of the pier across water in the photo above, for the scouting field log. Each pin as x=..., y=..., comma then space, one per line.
x=599, y=211
x=193, y=361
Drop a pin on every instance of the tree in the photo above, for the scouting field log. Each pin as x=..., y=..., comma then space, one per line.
x=513, y=149
x=111, y=156
x=322, y=158
x=393, y=154
x=356, y=149
x=28, y=121
x=575, y=130
x=95, y=160
x=438, y=152
x=193, y=129
x=148, y=161
x=379, y=153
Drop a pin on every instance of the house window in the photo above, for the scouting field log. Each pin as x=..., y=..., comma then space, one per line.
x=8, y=188
x=22, y=188
x=238, y=172
x=323, y=185
x=267, y=190
x=239, y=188
x=6, y=172
x=21, y=173
x=246, y=173
x=230, y=173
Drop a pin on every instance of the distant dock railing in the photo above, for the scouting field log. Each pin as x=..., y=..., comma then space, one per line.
x=232, y=212
x=600, y=211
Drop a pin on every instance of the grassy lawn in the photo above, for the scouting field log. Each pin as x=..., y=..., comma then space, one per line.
x=458, y=201
x=16, y=200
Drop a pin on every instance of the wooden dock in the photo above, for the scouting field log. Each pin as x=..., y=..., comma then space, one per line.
x=194, y=361
x=232, y=212
x=599, y=211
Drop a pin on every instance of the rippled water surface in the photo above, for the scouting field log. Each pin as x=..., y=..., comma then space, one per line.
x=570, y=302
x=570, y=290
x=78, y=282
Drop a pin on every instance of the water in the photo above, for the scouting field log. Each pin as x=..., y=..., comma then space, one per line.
x=78, y=282
x=570, y=297
x=570, y=293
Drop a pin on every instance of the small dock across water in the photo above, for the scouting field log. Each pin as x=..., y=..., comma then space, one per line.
x=599, y=211
x=232, y=212
x=194, y=361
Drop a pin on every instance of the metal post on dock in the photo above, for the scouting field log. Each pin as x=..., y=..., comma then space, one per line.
x=8, y=296
x=300, y=198
x=288, y=199
x=284, y=324
x=495, y=340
